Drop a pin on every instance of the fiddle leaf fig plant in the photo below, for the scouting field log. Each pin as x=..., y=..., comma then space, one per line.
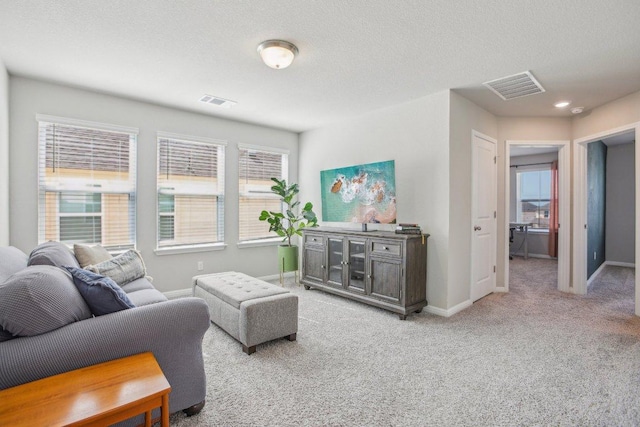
x=289, y=223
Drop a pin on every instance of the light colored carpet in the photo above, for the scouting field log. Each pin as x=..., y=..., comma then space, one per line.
x=533, y=356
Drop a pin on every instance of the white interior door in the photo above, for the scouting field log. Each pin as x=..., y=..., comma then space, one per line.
x=483, y=211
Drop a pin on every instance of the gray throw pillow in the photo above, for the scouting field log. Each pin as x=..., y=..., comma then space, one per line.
x=53, y=253
x=123, y=268
x=102, y=294
x=88, y=255
x=40, y=299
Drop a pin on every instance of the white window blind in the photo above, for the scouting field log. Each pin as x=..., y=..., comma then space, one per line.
x=190, y=191
x=86, y=183
x=256, y=168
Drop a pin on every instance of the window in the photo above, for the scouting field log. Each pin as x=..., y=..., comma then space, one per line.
x=534, y=194
x=257, y=165
x=190, y=191
x=86, y=183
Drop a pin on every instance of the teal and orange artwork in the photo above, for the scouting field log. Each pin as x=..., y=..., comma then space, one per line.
x=362, y=193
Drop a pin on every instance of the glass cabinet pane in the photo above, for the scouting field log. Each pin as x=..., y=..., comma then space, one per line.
x=335, y=260
x=356, y=265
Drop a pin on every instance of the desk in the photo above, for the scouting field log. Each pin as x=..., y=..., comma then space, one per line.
x=524, y=227
x=97, y=395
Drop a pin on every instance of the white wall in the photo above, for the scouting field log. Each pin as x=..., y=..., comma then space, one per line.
x=616, y=113
x=4, y=155
x=415, y=135
x=620, y=204
x=170, y=272
x=465, y=117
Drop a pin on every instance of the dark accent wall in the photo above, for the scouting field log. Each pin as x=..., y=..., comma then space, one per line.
x=596, y=204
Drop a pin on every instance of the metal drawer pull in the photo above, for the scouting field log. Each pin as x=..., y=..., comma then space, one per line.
x=385, y=248
x=323, y=267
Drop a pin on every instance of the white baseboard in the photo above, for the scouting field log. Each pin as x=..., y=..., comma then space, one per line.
x=501, y=289
x=621, y=264
x=450, y=312
x=541, y=256
x=276, y=276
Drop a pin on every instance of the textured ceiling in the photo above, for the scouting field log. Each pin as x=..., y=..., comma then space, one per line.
x=355, y=56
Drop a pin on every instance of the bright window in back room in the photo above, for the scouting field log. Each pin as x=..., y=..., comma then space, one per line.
x=190, y=199
x=256, y=167
x=86, y=182
x=534, y=195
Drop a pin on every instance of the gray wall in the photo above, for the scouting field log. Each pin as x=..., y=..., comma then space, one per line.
x=4, y=156
x=428, y=138
x=415, y=135
x=537, y=242
x=170, y=272
x=596, y=205
x=621, y=210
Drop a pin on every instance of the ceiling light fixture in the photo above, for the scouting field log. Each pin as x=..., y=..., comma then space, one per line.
x=277, y=54
x=562, y=104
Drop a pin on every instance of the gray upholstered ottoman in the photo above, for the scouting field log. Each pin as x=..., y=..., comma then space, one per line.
x=250, y=310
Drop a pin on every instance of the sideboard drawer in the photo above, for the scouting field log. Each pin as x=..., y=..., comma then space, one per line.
x=386, y=248
x=313, y=239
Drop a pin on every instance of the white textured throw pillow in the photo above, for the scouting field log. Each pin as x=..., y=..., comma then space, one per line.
x=89, y=255
x=122, y=269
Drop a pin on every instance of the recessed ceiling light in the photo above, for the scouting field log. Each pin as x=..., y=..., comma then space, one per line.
x=562, y=104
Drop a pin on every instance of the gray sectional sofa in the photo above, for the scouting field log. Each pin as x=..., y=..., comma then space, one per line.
x=171, y=329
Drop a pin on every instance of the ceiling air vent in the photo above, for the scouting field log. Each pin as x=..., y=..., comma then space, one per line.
x=217, y=101
x=515, y=86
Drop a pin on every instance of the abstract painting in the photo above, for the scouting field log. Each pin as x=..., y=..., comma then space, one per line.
x=362, y=193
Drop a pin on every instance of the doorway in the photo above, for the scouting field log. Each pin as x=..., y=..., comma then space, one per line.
x=580, y=223
x=564, y=181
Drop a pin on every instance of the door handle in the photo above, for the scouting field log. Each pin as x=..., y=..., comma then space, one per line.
x=477, y=228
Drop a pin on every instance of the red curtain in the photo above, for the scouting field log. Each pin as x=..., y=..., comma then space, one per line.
x=553, y=211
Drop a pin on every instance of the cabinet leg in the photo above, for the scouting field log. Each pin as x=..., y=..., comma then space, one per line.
x=307, y=287
x=402, y=316
x=418, y=311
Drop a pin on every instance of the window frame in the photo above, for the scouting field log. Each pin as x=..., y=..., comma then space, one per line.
x=220, y=244
x=528, y=169
x=261, y=192
x=78, y=185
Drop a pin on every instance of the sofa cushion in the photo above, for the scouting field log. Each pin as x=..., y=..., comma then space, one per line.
x=136, y=285
x=87, y=255
x=53, y=253
x=102, y=294
x=146, y=297
x=12, y=260
x=40, y=299
x=122, y=269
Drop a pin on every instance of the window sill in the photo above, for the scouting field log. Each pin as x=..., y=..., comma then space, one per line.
x=190, y=249
x=258, y=243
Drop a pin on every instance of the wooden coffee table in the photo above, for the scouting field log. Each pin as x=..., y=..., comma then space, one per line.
x=97, y=395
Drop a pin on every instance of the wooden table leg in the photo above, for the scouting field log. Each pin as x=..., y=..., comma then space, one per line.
x=147, y=419
x=165, y=410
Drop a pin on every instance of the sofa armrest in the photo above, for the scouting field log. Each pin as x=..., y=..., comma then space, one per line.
x=172, y=331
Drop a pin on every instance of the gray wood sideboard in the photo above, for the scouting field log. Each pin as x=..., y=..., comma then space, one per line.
x=380, y=268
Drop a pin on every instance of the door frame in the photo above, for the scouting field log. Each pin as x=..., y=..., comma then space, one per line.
x=580, y=207
x=476, y=134
x=564, y=208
